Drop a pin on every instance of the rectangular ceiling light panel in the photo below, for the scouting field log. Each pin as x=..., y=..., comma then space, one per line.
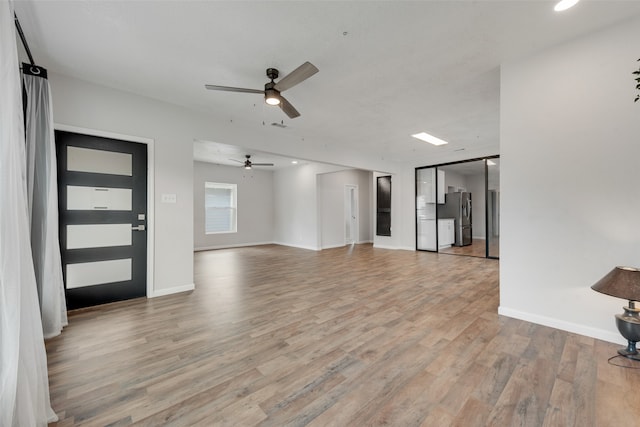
x=423, y=136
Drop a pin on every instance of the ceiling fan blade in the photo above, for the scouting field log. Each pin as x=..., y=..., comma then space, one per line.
x=298, y=75
x=239, y=161
x=233, y=89
x=288, y=109
x=261, y=164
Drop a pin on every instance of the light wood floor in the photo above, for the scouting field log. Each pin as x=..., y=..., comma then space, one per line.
x=276, y=336
x=477, y=248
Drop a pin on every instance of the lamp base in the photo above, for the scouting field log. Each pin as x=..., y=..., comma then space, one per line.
x=629, y=355
x=629, y=326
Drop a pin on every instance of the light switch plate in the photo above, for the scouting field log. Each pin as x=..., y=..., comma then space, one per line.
x=169, y=198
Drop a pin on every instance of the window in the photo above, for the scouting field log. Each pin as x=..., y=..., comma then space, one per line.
x=220, y=203
x=383, y=210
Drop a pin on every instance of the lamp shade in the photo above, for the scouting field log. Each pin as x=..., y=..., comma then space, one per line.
x=621, y=282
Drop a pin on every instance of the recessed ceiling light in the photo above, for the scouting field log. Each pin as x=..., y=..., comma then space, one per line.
x=295, y=162
x=564, y=5
x=423, y=136
x=490, y=163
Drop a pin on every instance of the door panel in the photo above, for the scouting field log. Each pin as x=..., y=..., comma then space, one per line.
x=98, y=235
x=493, y=207
x=98, y=272
x=102, y=206
x=426, y=224
x=98, y=161
x=92, y=198
x=351, y=214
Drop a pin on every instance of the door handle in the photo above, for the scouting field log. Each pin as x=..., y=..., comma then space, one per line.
x=138, y=228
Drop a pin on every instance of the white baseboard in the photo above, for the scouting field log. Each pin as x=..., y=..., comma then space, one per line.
x=242, y=245
x=174, y=290
x=563, y=325
x=379, y=246
x=336, y=246
x=238, y=245
x=296, y=246
x=395, y=248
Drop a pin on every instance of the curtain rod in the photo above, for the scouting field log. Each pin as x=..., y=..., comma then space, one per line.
x=24, y=40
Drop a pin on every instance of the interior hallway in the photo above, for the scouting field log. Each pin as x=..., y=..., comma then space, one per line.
x=279, y=336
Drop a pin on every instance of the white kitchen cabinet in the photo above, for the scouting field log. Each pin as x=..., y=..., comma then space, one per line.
x=426, y=235
x=426, y=186
x=446, y=232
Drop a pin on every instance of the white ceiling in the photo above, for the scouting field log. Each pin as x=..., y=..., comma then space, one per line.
x=233, y=155
x=388, y=69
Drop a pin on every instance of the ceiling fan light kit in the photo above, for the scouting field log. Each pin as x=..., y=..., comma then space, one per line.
x=272, y=90
x=271, y=96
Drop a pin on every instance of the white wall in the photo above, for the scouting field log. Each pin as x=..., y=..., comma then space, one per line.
x=81, y=104
x=453, y=179
x=570, y=180
x=255, y=206
x=365, y=207
x=173, y=128
x=331, y=192
x=403, y=211
x=296, y=208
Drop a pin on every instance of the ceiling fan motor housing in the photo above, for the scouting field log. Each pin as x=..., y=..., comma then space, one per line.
x=272, y=73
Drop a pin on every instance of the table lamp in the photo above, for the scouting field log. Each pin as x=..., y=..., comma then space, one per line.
x=624, y=282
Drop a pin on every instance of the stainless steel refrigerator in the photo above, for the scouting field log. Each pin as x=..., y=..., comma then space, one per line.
x=458, y=206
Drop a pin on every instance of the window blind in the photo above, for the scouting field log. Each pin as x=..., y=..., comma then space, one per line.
x=220, y=207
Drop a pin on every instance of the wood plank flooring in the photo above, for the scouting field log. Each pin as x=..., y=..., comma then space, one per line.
x=354, y=336
x=477, y=248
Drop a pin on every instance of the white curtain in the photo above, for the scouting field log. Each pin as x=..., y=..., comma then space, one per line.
x=42, y=191
x=24, y=385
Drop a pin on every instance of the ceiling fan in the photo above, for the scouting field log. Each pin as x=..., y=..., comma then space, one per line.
x=272, y=89
x=248, y=163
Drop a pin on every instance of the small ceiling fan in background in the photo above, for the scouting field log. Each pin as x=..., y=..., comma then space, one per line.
x=272, y=90
x=248, y=163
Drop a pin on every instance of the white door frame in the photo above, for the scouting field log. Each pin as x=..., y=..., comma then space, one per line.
x=351, y=213
x=150, y=187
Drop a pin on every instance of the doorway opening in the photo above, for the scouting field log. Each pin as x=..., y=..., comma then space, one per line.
x=351, y=214
x=458, y=208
